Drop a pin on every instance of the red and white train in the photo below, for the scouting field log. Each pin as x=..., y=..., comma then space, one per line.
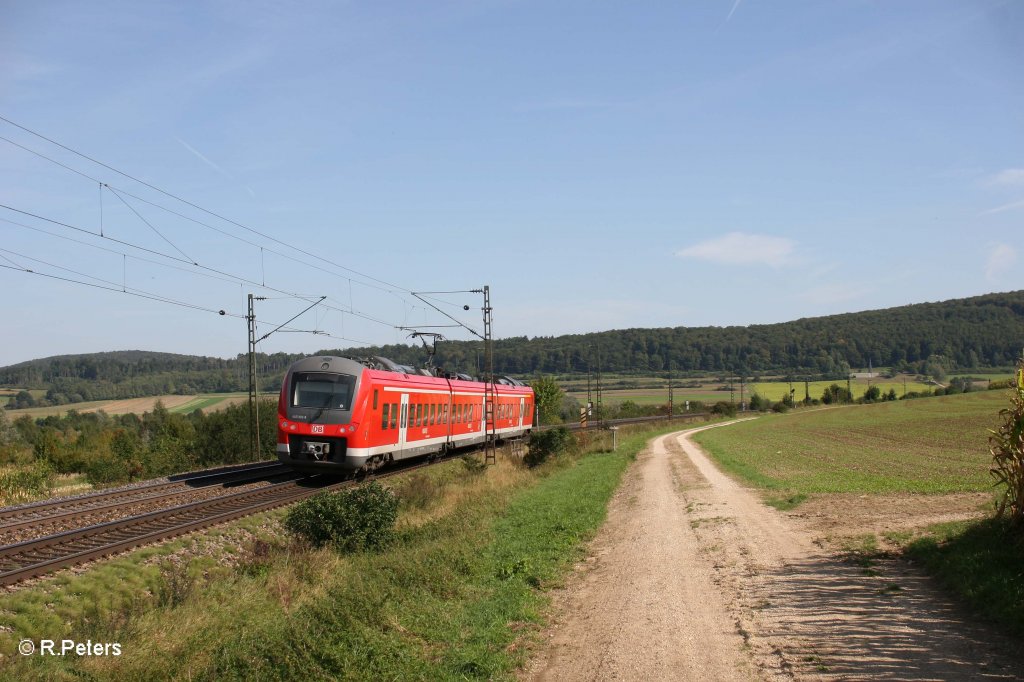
x=337, y=414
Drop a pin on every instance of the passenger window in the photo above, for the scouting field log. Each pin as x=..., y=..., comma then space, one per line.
x=433, y=413
x=375, y=399
x=394, y=415
x=384, y=416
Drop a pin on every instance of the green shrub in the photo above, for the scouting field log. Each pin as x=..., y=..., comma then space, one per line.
x=107, y=469
x=724, y=408
x=350, y=520
x=24, y=484
x=759, y=403
x=471, y=466
x=780, y=407
x=548, y=443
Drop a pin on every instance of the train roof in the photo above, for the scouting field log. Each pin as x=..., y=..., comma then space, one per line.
x=356, y=366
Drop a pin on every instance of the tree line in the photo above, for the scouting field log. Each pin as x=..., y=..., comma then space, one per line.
x=926, y=338
x=116, y=448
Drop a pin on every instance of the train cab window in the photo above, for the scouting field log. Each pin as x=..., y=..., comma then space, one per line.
x=394, y=415
x=385, y=416
x=322, y=390
x=375, y=399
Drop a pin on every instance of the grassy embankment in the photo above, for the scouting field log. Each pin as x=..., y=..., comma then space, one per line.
x=459, y=596
x=930, y=446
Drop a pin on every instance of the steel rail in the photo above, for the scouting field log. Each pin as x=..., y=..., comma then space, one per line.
x=32, y=558
x=38, y=511
x=60, y=512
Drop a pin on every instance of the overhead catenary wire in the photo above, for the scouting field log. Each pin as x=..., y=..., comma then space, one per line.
x=120, y=288
x=236, y=278
x=126, y=193
x=122, y=253
x=150, y=226
x=118, y=192
x=121, y=193
x=199, y=208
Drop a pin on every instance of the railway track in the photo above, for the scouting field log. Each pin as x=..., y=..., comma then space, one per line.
x=39, y=556
x=25, y=516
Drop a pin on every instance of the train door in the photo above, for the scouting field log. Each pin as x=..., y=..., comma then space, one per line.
x=403, y=421
x=522, y=409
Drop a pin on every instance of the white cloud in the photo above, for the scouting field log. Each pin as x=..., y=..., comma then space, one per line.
x=213, y=165
x=741, y=248
x=735, y=6
x=1014, y=177
x=1013, y=205
x=1000, y=259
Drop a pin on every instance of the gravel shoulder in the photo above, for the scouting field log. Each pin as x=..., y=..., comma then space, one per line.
x=693, y=577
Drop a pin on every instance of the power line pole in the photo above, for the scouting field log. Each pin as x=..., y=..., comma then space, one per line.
x=671, y=397
x=490, y=451
x=254, y=407
x=254, y=403
x=590, y=398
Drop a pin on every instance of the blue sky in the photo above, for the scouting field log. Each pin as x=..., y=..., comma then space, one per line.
x=600, y=165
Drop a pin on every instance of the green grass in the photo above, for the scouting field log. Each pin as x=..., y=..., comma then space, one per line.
x=454, y=599
x=934, y=445
x=775, y=390
x=655, y=396
x=200, y=403
x=987, y=376
x=982, y=562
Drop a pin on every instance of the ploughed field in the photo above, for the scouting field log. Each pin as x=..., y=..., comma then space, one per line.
x=174, y=403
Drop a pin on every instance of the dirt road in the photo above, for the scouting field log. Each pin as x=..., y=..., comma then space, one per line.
x=693, y=578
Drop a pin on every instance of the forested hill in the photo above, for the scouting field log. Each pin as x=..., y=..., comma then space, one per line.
x=974, y=332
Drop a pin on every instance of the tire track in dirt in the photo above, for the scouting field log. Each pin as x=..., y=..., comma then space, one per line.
x=693, y=578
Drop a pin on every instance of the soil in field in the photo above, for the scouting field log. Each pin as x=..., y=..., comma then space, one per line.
x=174, y=403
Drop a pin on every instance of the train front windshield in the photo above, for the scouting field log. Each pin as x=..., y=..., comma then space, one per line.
x=320, y=390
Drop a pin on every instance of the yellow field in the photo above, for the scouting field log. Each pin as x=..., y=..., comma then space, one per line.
x=208, y=402
x=775, y=390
